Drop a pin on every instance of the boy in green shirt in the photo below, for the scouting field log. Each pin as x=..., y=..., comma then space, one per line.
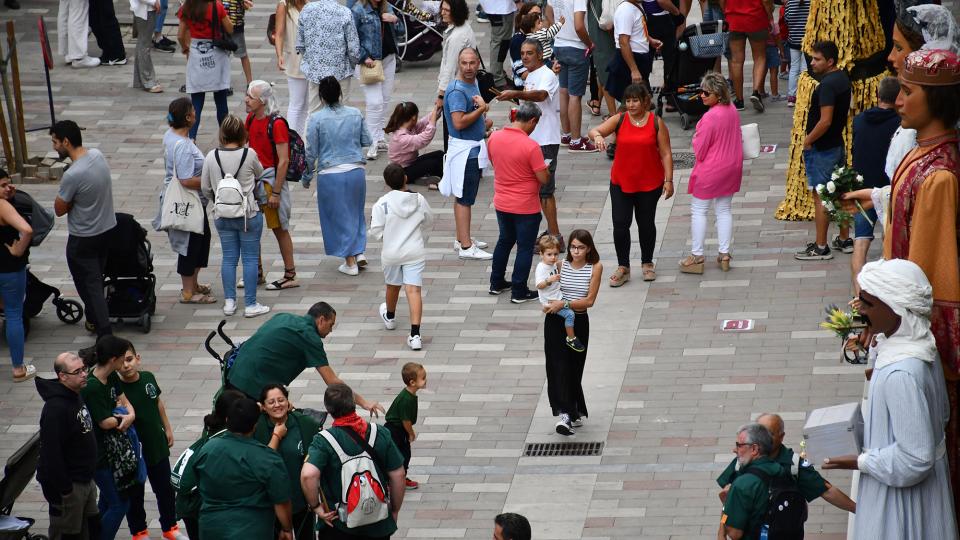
x=156, y=438
x=402, y=414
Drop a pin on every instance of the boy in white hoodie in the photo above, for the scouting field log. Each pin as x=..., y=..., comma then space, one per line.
x=398, y=219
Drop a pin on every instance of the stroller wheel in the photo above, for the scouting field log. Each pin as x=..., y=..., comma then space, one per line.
x=685, y=121
x=145, y=323
x=69, y=311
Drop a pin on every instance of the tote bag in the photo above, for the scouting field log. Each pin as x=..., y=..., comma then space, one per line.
x=181, y=209
x=751, y=141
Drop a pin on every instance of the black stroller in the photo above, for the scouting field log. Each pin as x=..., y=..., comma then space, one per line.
x=417, y=40
x=128, y=278
x=697, y=51
x=17, y=474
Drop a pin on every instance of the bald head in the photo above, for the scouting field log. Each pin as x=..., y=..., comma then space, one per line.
x=69, y=369
x=774, y=425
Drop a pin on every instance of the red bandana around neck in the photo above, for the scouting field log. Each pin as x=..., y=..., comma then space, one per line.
x=352, y=421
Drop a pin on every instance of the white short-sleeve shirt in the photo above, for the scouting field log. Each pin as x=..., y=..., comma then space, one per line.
x=628, y=20
x=567, y=36
x=548, y=128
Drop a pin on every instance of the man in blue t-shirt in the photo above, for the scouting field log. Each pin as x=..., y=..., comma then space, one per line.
x=463, y=113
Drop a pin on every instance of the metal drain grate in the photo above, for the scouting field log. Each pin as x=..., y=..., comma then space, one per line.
x=683, y=160
x=563, y=449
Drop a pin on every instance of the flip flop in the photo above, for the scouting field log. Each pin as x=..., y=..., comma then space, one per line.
x=197, y=298
x=594, y=107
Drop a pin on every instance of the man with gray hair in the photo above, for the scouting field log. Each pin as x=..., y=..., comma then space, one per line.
x=269, y=136
x=518, y=172
x=747, y=501
x=542, y=87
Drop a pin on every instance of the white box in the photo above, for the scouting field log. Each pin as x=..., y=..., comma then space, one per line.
x=833, y=431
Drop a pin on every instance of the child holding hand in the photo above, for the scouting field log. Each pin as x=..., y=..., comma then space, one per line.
x=402, y=414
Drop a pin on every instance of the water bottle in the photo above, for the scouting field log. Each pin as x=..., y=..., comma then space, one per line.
x=764, y=532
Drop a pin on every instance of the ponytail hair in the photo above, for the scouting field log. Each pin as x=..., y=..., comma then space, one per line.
x=217, y=420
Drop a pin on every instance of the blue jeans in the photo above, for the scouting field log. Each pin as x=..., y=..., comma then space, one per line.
x=576, y=69
x=112, y=505
x=568, y=317
x=219, y=99
x=161, y=15
x=820, y=164
x=234, y=242
x=13, y=286
x=863, y=228
x=519, y=229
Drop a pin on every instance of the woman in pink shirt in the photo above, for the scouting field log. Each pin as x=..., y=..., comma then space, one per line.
x=717, y=172
x=409, y=136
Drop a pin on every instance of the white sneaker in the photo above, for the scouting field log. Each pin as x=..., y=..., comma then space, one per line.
x=361, y=260
x=255, y=310
x=372, y=152
x=390, y=324
x=577, y=423
x=473, y=241
x=229, y=306
x=563, y=426
x=240, y=283
x=85, y=62
x=415, y=343
x=349, y=270
x=475, y=253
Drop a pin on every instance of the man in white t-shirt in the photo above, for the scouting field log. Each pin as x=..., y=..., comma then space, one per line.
x=500, y=13
x=635, y=61
x=543, y=88
x=571, y=47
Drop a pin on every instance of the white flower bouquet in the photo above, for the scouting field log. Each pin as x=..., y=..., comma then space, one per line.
x=842, y=180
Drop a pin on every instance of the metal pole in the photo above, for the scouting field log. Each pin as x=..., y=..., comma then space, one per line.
x=17, y=150
x=17, y=94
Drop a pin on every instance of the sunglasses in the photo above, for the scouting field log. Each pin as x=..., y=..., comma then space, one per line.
x=704, y=93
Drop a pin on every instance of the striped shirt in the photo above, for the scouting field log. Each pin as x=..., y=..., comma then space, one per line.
x=796, y=15
x=574, y=283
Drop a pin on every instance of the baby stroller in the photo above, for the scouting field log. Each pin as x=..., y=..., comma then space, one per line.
x=417, y=40
x=128, y=278
x=697, y=51
x=17, y=474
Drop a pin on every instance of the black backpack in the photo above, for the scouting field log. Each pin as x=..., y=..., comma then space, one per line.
x=786, y=507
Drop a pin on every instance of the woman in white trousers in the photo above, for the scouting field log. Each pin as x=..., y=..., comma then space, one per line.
x=288, y=61
x=374, y=21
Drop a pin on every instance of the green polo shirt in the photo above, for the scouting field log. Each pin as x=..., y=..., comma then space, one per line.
x=747, y=501
x=404, y=407
x=323, y=457
x=292, y=450
x=239, y=480
x=144, y=395
x=101, y=400
x=277, y=353
x=809, y=481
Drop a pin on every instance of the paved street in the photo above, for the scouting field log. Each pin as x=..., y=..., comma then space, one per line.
x=666, y=388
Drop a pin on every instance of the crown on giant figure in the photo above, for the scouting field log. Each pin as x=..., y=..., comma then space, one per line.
x=932, y=68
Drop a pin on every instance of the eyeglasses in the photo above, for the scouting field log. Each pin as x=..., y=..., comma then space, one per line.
x=742, y=444
x=574, y=247
x=77, y=371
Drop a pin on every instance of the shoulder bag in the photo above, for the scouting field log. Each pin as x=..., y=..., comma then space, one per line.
x=222, y=42
x=181, y=209
x=751, y=141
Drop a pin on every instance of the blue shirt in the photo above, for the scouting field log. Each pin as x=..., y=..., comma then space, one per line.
x=459, y=98
x=335, y=136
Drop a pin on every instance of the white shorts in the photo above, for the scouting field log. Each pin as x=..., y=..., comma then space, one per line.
x=404, y=274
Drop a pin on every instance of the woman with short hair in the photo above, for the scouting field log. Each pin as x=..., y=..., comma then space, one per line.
x=717, y=172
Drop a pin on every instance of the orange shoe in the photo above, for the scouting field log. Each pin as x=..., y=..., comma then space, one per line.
x=142, y=535
x=173, y=533
x=411, y=484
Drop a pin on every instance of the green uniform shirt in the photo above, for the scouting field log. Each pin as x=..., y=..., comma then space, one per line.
x=325, y=458
x=277, y=353
x=404, y=407
x=239, y=480
x=144, y=395
x=809, y=481
x=747, y=501
x=101, y=400
x=293, y=449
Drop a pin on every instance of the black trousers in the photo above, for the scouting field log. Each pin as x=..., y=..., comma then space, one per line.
x=402, y=440
x=429, y=164
x=86, y=259
x=198, y=251
x=564, y=365
x=662, y=27
x=193, y=527
x=303, y=525
x=106, y=28
x=159, y=475
x=624, y=207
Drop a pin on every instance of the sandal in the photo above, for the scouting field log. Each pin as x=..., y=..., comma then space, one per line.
x=204, y=288
x=620, y=276
x=648, y=273
x=29, y=372
x=196, y=298
x=289, y=281
x=723, y=259
x=594, y=107
x=692, y=264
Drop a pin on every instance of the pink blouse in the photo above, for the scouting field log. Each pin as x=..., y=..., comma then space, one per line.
x=405, y=144
x=718, y=152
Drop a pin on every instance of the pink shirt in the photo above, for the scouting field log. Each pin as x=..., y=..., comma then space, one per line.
x=718, y=149
x=516, y=159
x=405, y=144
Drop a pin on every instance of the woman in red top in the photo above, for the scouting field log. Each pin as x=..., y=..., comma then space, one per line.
x=642, y=171
x=208, y=67
x=748, y=20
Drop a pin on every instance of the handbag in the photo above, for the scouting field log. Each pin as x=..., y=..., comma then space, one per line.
x=181, y=209
x=751, y=141
x=486, y=82
x=709, y=45
x=372, y=74
x=223, y=42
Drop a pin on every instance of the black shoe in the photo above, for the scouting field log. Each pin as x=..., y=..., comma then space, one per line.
x=813, y=253
x=113, y=62
x=846, y=246
x=525, y=297
x=738, y=103
x=757, y=101
x=499, y=288
x=575, y=344
x=167, y=42
x=12, y=4
x=183, y=89
x=160, y=46
x=229, y=92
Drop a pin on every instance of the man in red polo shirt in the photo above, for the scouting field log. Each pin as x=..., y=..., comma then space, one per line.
x=519, y=171
x=749, y=20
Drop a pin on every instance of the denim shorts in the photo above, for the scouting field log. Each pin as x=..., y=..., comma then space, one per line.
x=550, y=152
x=820, y=164
x=575, y=69
x=773, y=57
x=404, y=274
x=863, y=230
x=471, y=182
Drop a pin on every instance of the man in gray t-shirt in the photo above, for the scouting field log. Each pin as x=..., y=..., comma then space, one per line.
x=86, y=198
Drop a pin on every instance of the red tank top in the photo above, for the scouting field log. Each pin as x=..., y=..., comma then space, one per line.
x=636, y=163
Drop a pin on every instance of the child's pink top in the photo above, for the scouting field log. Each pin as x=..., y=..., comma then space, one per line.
x=405, y=144
x=718, y=149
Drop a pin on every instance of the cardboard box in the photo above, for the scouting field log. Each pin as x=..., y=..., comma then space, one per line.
x=833, y=431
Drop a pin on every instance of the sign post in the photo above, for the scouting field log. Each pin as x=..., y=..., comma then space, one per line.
x=47, y=66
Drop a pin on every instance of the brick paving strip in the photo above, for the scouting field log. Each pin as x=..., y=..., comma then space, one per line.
x=666, y=388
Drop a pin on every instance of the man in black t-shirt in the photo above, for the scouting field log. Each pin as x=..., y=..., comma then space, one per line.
x=823, y=148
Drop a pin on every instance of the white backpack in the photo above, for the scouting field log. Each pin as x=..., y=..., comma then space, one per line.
x=364, y=499
x=605, y=19
x=230, y=200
